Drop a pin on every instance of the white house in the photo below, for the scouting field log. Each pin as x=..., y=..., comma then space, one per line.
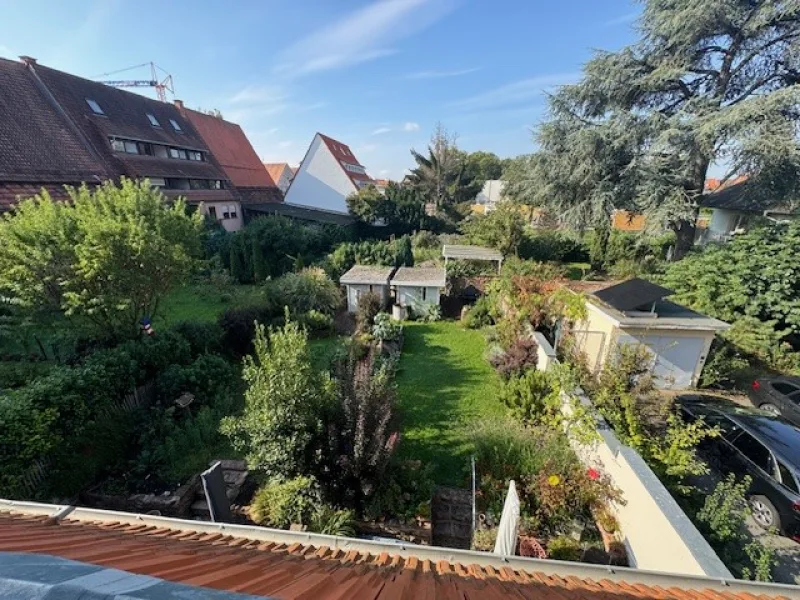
x=362, y=279
x=329, y=173
x=418, y=285
x=735, y=207
x=636, y=312
x=491, y=194
x=281, y=173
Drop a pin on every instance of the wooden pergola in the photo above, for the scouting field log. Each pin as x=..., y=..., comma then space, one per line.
x=458, y=252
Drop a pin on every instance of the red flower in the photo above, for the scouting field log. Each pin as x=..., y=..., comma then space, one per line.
x=593, y=474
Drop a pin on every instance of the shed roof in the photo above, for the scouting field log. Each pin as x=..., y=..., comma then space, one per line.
x=420, y=276
x=292, y=565
x=367, y=275
x=632, y=294
x=470, y=252
x=668, y=315
x=303, y=213
x=744, y=197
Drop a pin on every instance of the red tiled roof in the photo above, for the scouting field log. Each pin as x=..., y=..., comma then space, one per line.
x=218, y=560
x=275, y=170
x=11, y=193
x=37, y=144
x=342, y=153
x=231, y=148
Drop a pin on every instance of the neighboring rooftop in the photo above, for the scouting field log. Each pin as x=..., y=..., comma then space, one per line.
x=633, y=294
x=363, y=274
x=292, y=565
x=743, y=197
x=275, y=170
x=342, y=153
x=302, y=213
x=420, y=276
x=470, y=252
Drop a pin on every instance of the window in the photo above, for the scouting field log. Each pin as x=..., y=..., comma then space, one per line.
x=787, y=479
x=728, y=428
x=193, y=155
x=95, y=107
x=212, y=212
x=175, y=125
x=784, y=388
x=177, y=153
x=131, y=147
x=215, y=184
x=145, y=148
x=755, y=451
x=226, y=214
x=233, y=211
x=118, y=145
x=424, y=293
x=158, y=182
x=160, y=151
x=153, y=121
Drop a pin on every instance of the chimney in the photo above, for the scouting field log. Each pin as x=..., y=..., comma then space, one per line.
x=28, y=60
x=179, y=104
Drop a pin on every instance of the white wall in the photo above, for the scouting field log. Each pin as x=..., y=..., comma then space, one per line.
x=228, y=224
x=722, y=222
x=321, y=181
x=284, y=180
x=354, y=291
x=410, y=295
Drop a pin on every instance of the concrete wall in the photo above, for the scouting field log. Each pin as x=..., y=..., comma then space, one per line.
x=410, y=295
x=354, y=291
x=321, y=181
x=232, y=224
x=545, y=355
x=594, y=336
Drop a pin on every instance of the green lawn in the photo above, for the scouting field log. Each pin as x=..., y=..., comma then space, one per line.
x=203, y=302
x=444, y=385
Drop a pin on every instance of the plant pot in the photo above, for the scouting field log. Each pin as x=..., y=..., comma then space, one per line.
x=531, y=547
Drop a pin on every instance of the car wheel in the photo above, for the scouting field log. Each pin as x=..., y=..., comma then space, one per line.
x=770, y=408
x=764, y=513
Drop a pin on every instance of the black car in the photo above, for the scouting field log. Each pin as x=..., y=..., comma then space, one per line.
x=778, y=395
x=761, y=445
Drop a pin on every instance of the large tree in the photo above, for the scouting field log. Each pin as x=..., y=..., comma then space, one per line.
x=710, y=83
x=107, y=257
x=442, y=176
x=401, y=207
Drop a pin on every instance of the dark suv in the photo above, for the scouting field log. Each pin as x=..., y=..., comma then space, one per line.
x=761, y=445
x=778, y=395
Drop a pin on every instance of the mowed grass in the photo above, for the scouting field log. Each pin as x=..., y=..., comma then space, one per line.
x=445, y=385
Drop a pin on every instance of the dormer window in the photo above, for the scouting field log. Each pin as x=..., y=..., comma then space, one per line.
x=95, y=107
x=175, y=125
x=153, y=121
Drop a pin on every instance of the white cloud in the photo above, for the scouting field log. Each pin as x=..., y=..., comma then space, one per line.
x=514, y=93
x=440, y=74
x=381, y=130
x=410, y=126
x=285, y=144
x=361, y=36
x=383, y=172
x=255, y=94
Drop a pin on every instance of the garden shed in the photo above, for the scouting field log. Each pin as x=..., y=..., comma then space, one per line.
x=418, y=285
x=477, y=253
x=362, y=279
x=637, y=312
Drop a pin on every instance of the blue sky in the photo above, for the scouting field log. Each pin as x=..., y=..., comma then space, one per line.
x=376, y=75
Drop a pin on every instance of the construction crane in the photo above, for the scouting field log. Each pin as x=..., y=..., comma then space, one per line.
x=161, y=85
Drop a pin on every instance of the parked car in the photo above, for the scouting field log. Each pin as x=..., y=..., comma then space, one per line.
x=758, y=444
x=778, y=395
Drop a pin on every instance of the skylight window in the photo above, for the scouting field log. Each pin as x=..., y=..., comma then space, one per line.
x=153, y=121
x=175, y=125
x=95, y=107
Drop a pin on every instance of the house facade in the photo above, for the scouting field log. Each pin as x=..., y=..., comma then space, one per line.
x=232, y=152
x=119, y=133
x=282, y=174
x=636, y=312
x=490, y=195
x=329, y=173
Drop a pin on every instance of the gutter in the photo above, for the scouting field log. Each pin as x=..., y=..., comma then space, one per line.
x=562, y=569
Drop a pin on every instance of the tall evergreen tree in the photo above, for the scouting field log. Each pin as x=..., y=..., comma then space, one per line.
x=709, y=83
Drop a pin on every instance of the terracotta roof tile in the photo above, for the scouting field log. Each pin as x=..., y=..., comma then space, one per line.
x=302, y=571
x=342, y=153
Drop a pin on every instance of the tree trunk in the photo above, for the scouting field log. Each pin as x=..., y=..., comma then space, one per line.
x=684, y=237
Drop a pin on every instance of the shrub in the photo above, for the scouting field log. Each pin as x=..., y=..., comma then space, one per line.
x=394, y=253
x=330, y=521
x=281, y=503
x=425, y=311
x=386, y=329
x=483, y=540
x=238, y=327
x=551, y=246
x=533, y=397
x=518, y=358
x=317, y=322
x=310, y=289
x=202, y=337
x=564, y=548
x=404, y=492
x=207, y=377
x=369, y=305
x=482, y=314
x=285, y=400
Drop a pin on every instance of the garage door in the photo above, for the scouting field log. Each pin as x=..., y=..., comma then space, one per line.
x=676, y=358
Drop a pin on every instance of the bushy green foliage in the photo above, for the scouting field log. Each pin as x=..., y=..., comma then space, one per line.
x=400, y=207
x=330, y=521
x=722, y=520
x=105, y=258
x=404, y=493
x=725, y=365
x=482, y=314
x=202, y=337
x=238, y=326
x=284, y=404
x=552, y=246
x=206, y=377
x=382, y=253
x=317, y=323
x=386, y=329
x=519, y=357
x=427, y=312
x=309, y=289
x=280, y=503
x=502, y=229
x=564, y=547
x=532, y=396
